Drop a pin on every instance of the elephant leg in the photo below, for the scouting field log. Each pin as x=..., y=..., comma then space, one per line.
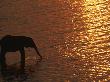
x=22, y=58
x=3, y=61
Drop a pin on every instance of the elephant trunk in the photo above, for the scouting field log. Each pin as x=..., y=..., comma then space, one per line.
x=35, y=47
x=38, y=52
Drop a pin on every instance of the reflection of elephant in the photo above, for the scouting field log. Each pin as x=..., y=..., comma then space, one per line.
x=14, y=43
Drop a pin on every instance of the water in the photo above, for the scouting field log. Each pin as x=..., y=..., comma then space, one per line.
x=72, y=36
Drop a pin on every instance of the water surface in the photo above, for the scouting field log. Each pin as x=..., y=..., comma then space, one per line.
x=72, y=36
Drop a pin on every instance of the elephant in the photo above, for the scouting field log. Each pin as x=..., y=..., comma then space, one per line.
x=10, y=43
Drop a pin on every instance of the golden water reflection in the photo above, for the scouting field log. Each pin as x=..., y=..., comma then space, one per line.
x=91, y=44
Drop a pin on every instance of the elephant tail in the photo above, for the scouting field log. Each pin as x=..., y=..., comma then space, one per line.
x=0, y=42
x=0, y=45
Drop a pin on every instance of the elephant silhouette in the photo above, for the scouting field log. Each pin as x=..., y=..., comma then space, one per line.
x=11, y=43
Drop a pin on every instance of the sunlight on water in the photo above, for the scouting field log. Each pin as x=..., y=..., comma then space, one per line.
x=90, y=42
x=73, y=36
